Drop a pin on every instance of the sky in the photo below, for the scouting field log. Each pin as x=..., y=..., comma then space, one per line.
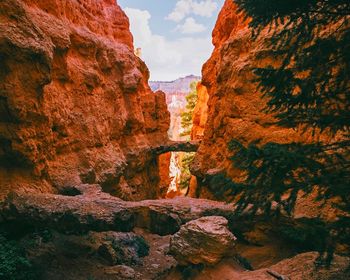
x=174, y=35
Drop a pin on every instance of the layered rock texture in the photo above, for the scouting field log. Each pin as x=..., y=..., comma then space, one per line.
x=87, y=208
x=234, y=105
x=75, y=105
x=203, y=241
x=200, y=113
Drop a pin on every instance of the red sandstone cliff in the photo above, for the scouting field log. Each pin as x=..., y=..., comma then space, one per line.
x=234, y=105
x=75, y=106
x=200, y=113
x=235, y=108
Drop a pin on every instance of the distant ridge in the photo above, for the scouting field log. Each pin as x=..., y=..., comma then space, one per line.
x=180, y=85
x=181, y=78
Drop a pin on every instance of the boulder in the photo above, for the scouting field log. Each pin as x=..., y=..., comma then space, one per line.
x=203, y=241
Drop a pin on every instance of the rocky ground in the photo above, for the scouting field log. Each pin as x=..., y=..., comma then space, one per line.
x=88, y=234
x=61, y=256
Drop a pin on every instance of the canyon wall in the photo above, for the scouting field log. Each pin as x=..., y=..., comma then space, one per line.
x=200, y=113
x=75, y=105
x=234, y=105
x=235, y=110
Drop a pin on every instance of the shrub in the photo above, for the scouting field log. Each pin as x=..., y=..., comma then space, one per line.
x=14, y=265
x=186, y=116
x=185, y=170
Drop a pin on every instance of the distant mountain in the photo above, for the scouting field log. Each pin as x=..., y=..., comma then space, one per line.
x=180, y=85
x=176, y=92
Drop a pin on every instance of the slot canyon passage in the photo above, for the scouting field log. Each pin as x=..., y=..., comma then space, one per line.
x=90, y=148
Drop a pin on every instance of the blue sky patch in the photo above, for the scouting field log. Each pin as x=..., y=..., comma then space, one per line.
x=174, y=35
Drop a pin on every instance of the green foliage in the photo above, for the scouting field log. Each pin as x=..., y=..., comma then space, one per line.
x=308, y=89
x=186, y=116
x=186, y=124
x=185, y=170
x=276, y=169
x=311, y=86
x=14, y=264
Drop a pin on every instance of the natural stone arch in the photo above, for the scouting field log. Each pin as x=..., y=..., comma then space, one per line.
x=177, y=146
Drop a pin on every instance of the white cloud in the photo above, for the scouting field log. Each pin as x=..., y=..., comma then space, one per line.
x=184, y=8
x=167, y=59
x=139, y=23
x=190, y=26
x=204, y=8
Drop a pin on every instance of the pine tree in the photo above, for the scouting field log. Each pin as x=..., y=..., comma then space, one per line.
x=186, y=175
x=186, y=124
x=186, y=116
x=310, y=92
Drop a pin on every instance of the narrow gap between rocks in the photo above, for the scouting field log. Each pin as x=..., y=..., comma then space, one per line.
x=181, y=99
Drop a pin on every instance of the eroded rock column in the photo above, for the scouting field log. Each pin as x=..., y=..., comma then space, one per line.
x=75, y=104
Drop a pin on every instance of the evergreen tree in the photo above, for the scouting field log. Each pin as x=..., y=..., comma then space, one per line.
x=310, y=92
x=186, y=124
x=186, y=175
x=186, y=116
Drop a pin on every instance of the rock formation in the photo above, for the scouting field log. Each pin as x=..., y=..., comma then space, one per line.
x=234, y=105
x=300, y=267
x=81, y=219
x=164, y=177
x=120, y=248
x=75, y=105
x=199, y=121
x=86, y=208
x=200, y=113
x=79, y=122
x=203, y=241
x=175, y=92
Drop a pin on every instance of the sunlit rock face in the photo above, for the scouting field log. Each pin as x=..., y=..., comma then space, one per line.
x=200, y=113
x=75, y=104
x=164, y=165
x=199, y=120
x=234, y=105
x=235, y=109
